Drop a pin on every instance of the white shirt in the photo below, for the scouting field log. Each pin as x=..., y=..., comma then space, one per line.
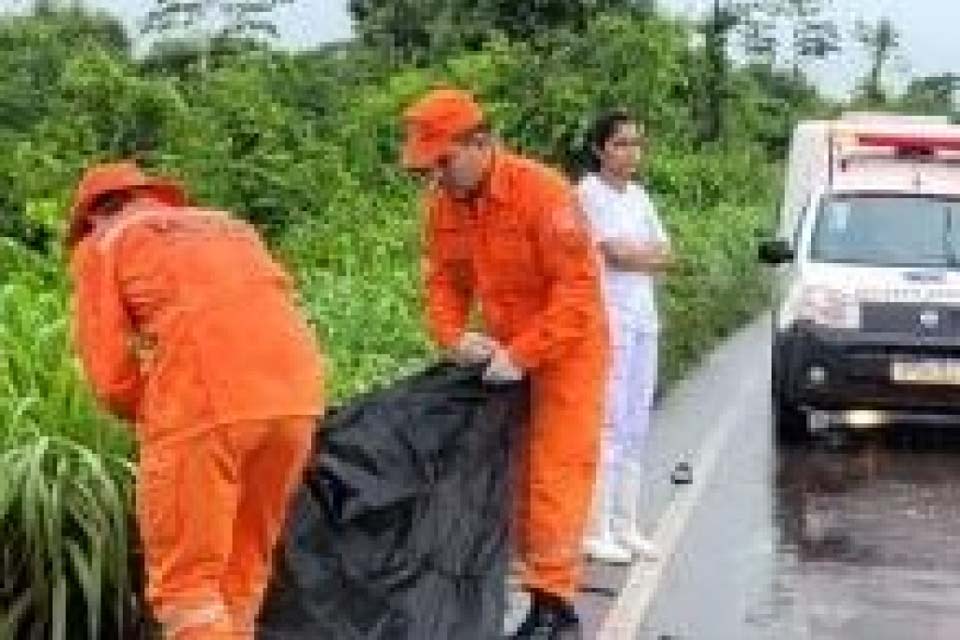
x=628, y=214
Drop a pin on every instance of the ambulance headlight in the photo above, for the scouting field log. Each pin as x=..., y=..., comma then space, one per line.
x=823, y=306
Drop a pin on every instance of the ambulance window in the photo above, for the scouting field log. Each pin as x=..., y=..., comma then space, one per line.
x=894, y=231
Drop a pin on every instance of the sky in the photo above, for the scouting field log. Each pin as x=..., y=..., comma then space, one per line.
x=928, y=40
x=929, y=43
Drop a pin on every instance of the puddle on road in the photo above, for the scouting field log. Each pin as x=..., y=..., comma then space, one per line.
x=867, y=542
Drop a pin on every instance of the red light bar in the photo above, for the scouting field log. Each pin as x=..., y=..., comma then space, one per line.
x=910, y=144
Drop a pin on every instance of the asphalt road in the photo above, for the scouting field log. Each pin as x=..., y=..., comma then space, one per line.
x=835, y=539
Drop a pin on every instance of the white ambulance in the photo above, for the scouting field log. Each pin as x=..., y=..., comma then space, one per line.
x=867, y=309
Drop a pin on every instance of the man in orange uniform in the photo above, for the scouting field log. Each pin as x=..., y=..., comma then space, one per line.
x=507, y=232
x=187, y=327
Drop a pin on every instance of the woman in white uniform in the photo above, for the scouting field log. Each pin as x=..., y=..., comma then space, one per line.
x=634, y=248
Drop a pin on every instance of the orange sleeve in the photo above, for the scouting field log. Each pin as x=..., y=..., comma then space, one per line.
x=103, y=332
x=449, y=288
x=572, y=270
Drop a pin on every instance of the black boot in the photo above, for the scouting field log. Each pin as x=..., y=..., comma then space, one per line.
x=550, y=618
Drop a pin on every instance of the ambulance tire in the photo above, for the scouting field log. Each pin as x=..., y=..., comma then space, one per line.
x=789, y=422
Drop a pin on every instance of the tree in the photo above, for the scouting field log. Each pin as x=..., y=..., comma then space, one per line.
x=36, y=51
x=404, y=28
x=232, y=18
x=800, y=27
x=933, y=95
x=881, y=42
x=717, y=30
x=212, y=21
x=181, y=56
x=781, y=99
x=420, y=30
x=525, y=20
x=758, y=33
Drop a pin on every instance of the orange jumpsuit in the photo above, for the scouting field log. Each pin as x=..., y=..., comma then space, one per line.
x=186, y=326
x=521, y=250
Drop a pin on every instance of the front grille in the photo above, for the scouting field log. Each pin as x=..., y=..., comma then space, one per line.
x=928, y=321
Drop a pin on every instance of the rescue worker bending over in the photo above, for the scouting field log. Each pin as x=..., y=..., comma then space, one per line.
x=187, y=328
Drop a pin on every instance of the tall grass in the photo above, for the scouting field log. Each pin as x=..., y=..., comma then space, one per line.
x=64, y=542
x=65, y=474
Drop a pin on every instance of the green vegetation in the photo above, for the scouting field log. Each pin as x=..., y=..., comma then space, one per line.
x=304, y=145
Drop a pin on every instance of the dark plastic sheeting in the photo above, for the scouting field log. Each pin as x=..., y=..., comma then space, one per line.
x=400, y=530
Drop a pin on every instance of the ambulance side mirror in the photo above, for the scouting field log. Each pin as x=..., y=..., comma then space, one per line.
x=775, y=252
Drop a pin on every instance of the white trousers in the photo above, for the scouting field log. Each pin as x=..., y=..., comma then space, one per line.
x=631, y=384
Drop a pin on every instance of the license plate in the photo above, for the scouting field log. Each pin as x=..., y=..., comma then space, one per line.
x=945, y=372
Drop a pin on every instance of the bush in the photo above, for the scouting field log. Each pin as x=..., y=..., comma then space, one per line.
x=65, y=473
x=65, y=559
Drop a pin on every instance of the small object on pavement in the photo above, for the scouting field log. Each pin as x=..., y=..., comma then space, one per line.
x=682, y=474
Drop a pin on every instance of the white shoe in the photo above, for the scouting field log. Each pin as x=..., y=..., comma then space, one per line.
x=606, y=551
x=638, y=546
x=600, y=544
x=518, y=605
x=625, y=530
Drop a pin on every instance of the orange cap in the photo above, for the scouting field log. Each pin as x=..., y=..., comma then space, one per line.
x=434, y=122
x=100, y=180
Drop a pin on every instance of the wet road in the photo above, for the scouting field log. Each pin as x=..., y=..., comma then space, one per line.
x=856, y=539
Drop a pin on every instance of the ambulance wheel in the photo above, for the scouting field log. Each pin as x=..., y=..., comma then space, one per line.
x=789, y=422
